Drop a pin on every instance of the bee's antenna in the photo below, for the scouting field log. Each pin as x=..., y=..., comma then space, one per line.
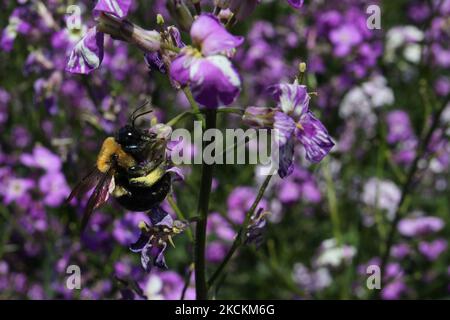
x=133, y=116
x=141, y=114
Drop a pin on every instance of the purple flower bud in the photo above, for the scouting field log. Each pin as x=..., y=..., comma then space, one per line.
x=154, y=60
x=256, y=227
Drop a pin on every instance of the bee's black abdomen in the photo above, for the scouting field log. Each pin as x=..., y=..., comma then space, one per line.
x=144, y=198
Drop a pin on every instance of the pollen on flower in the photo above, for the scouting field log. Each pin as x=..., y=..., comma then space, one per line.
x=142, y=226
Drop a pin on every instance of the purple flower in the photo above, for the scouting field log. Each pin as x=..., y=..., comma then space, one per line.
x=16, y=24
x=293, y=121
x=154, y=237
x=345, y=38
x=118, y=8
x=206, y=69
x=220, y=227
x=400, y=250
x=399, y=126
x=166, y=285
x=413, y=227
x=239, y=202
x=300, y=185
x=15, y=189
x=54, y=187
x=125, y=228
x=42, y=158
x=87, y=55
x=393, y=290
x=157, y=60
x=216, y=251
x=432, y=250
x=297, y=4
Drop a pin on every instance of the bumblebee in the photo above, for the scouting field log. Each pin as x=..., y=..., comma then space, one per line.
x=131, y=166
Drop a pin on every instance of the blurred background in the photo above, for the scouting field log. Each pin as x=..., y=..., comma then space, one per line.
x=377, y=93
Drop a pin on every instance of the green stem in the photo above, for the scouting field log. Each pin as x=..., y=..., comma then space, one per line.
x=332, y=203
x=203, y=207
x=178, y=118
x=183, y=115
x=239, y=239
x=281, y=274
x=231, y=22
x=194, y=105
x=409, y=183
x=180, y=215
x=170, y=47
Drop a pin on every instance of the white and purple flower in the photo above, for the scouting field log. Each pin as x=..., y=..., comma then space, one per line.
x=154, y=238
x=206, y=68
x=87, y=55
x=293, y=121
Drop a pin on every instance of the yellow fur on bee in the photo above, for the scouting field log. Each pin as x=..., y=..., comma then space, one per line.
x=109, y=148
x=151, y=178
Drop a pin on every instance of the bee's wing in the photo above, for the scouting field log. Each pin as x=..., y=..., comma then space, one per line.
x=99, y=196
x=86, y=184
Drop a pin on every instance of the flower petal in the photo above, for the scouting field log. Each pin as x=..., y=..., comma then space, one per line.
x=159, y=217
x=292, y=98
x=155, y=61
x=179, y=68
x=297, y=4
x=214, y=81
x=119, y=8
x=176, y=173
x=175, y=35
x=153, y=255
x=284, y=128
x=208, y=33
x=314, y=137
x=87, y=55
x=286, y=159
x=141, y=242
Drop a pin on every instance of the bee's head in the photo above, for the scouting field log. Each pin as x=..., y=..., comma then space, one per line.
x=133, y=140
